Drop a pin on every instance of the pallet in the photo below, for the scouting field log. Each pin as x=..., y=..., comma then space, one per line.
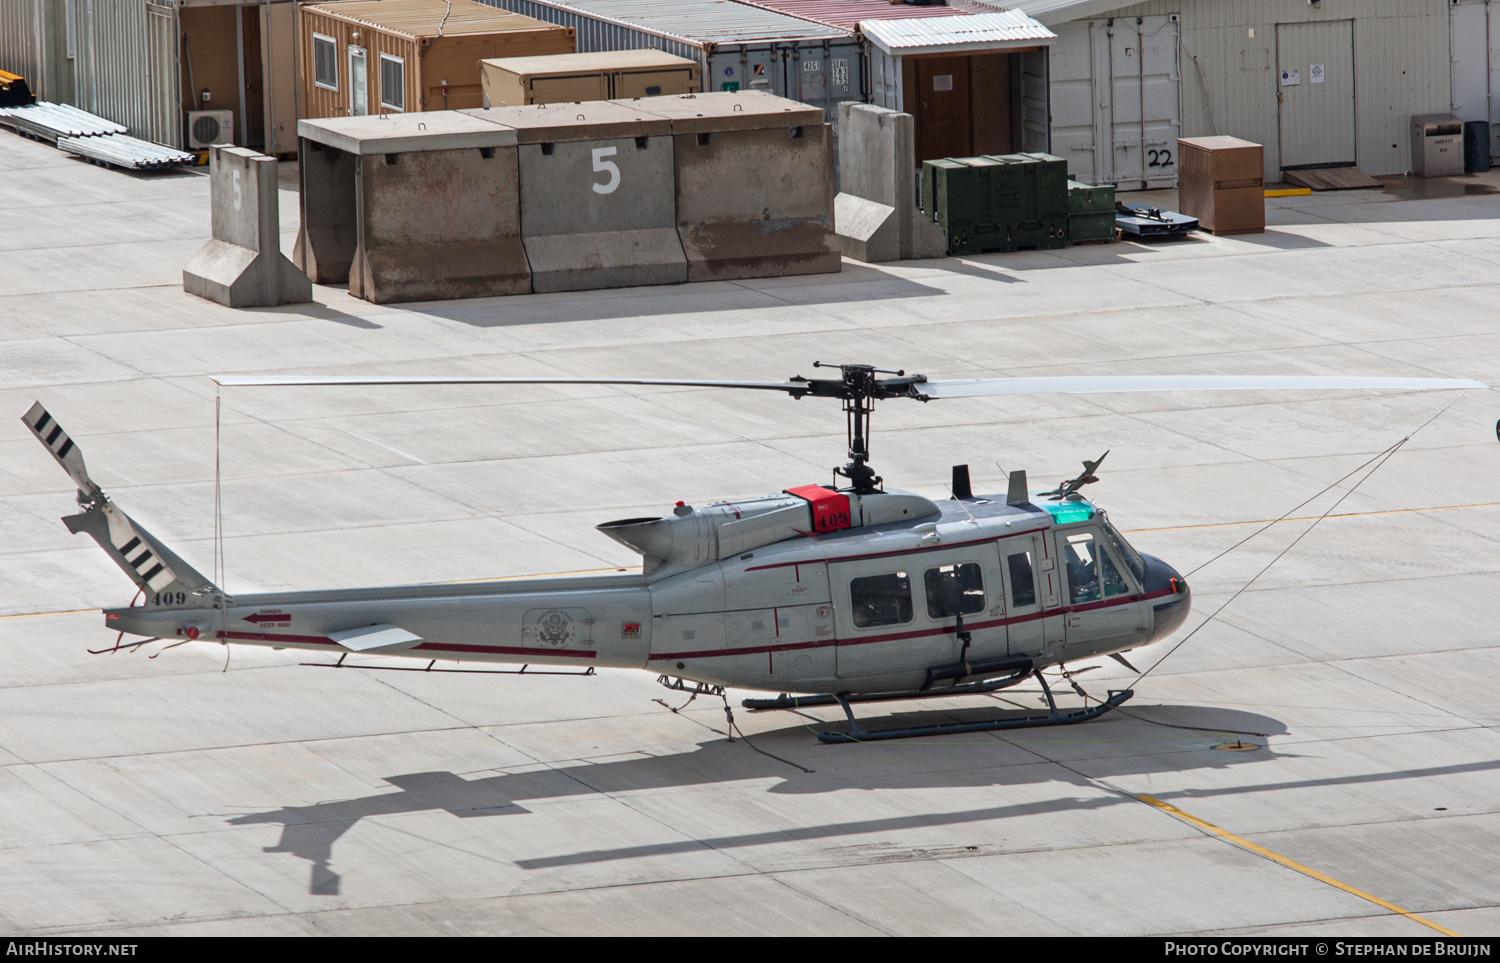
x=1330, y=179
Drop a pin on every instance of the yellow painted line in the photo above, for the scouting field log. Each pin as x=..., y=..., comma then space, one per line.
x=33, y=615
x=1292, y=864
x=1289, y=192
x=1313, y=518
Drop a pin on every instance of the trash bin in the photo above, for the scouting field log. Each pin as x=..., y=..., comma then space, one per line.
x=1436, y=145
x=1476, y=146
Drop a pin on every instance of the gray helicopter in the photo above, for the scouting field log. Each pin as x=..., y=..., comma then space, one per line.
x=825, y=594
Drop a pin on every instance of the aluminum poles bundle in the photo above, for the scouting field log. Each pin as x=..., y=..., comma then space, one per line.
x=51, y=121
x=119, y=150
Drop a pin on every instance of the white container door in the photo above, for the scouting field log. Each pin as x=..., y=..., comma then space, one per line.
x=1073, y=100
x=359, y=104
x=1116, y=100
x=1474, y=32
x=1315, y=78
x=1142, y=116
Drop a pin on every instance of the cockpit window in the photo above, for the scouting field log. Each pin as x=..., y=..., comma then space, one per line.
x=881, y=600
x=1091, y=572
x=1133, y=558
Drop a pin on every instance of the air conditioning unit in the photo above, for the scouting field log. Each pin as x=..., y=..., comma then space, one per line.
x=209, y=127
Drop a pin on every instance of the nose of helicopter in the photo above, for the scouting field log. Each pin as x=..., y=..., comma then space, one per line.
x=1170, y=597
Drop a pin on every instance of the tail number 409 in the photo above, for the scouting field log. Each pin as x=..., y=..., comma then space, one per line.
x=607, y=167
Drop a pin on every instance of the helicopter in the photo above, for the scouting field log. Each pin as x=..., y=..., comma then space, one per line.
x=831, y=594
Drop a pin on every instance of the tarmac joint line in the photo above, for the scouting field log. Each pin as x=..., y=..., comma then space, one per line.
x=1292, y=864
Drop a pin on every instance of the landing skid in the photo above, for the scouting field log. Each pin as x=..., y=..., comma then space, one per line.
x=813, y=701
x=1117, y=697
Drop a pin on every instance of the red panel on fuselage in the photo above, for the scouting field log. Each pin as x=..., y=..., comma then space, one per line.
x=830, y=509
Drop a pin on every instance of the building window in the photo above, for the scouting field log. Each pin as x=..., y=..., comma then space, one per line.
x=325, y=62
x=392, y=82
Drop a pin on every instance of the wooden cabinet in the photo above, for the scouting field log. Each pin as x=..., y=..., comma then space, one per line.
x=1221, y=182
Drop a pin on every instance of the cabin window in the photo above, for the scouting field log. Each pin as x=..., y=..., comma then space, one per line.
x=325, y=62
x=392, y=82
x=1090, y=570
x=881, y=600
x=970, y=585
x=1022, y=581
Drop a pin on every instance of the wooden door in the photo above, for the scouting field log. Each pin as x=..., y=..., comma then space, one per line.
x=942, y=107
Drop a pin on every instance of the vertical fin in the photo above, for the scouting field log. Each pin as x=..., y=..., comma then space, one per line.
x=1017, y=494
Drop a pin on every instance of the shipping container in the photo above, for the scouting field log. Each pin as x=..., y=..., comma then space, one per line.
x=602, y=75
x=390, y=56
x=974, y=84
x=737, y=46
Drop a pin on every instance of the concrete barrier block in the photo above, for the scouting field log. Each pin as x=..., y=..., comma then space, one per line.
x=754, y=185
x=329, y=231
x=597, y=201
x=412, y=207
x=877, y=164
x=242, y=266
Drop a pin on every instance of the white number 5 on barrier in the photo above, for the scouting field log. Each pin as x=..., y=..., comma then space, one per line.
x=600, y=164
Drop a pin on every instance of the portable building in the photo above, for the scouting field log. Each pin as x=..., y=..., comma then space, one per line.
x=601, y=75
x=162, y=69
x=737, y=46
x=1332, y=83
x=393, y=56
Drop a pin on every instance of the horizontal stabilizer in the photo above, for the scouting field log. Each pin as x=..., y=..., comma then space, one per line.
x=371, y=638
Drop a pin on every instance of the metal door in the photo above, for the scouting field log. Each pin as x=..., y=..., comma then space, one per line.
x=1033, y=594
x=1141, y=113
x=881, y=613
x=1315, y=78
x=1073, y=100
x=1474, y=35
x=1036, y=101
x=358, y=83
x=1101, y=599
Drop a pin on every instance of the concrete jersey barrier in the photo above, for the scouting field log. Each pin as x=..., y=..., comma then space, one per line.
x=597, y=207
x=754, y=184
x=412, y=207
x=242, y=266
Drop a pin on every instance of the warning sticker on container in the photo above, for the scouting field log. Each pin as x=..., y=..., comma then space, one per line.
x=1291, y=78
x=942, y=82
x=1315, y=73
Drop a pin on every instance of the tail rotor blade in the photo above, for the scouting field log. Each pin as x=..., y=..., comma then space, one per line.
x=51, y=434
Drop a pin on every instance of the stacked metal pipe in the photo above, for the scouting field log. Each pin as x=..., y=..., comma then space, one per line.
x=88, y=135
x=50, y=121
x=131, y=153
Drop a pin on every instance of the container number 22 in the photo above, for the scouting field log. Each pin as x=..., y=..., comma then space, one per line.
x=607, y=166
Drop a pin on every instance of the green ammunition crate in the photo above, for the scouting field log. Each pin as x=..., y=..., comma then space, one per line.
x=1088, y=199
x=997, y=203
x=1031, y=201
x=1091, y=212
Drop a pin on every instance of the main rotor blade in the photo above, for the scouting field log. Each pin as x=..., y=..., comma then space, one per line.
x=1111, y=384
x=337, y=380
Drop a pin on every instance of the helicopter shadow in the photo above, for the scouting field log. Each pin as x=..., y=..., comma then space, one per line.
x=310, y=832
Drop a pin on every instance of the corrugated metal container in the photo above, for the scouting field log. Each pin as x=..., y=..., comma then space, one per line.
x=21, y=48
x=738, y=46
x=846, y=14
x=433, y=47
x=1228, y=56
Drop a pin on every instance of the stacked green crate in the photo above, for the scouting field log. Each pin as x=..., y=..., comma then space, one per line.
x=1035, y=212
x=1091, y=212
x=956, y=195
x=998, y=203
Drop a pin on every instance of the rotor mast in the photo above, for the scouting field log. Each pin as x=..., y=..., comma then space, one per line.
x=859, y=389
